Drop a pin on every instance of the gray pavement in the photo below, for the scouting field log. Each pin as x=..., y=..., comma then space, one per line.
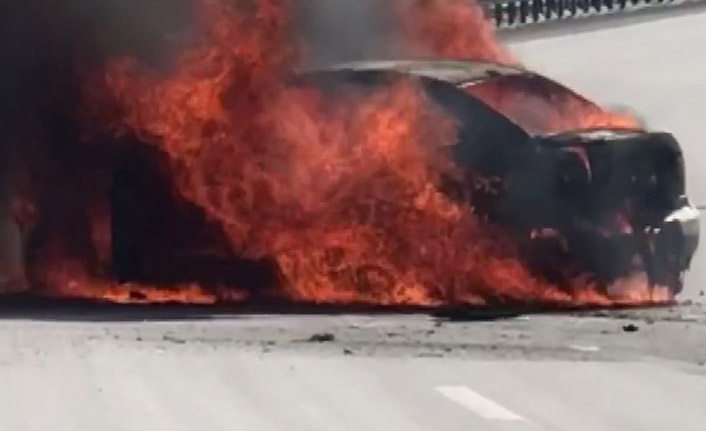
x=384, y=372
x=621, y=370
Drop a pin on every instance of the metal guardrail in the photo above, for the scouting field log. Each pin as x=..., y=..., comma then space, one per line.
x=511, y=13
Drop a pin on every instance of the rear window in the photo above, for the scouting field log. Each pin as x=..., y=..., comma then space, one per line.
x=541, y=106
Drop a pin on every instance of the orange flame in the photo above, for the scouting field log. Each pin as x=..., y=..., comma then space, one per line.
x=341, y=193
x=542, y=107
x=456, y=29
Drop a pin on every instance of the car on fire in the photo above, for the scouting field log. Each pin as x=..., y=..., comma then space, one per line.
x=605, y=193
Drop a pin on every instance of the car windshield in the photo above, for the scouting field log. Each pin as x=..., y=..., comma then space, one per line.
x=541, y=106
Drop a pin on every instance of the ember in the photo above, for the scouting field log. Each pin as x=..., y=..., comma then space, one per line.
x=340, y=195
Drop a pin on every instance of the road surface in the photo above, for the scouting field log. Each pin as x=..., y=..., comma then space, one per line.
x=633, y=370
x=356, y=372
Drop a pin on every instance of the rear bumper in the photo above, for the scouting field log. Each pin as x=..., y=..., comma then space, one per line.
x=671, y=247
x=621, y=203
x=662, y=251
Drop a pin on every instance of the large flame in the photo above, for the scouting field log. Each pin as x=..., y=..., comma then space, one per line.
x=341, y=193
x=450, y=29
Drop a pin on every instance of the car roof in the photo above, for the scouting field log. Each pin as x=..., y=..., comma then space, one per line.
x=461, y=73
x=594, y=134
x=480, y=126
x=457, y=72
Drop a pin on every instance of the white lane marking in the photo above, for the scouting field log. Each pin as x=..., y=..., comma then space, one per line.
x=582, y=348
x=479, y=404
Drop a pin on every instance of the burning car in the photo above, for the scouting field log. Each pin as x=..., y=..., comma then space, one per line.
x=592, y=192
x=573, y=179
x=212, y=165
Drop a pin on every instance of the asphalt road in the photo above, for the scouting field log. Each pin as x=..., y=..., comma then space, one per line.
x=621, y=370
x=355, y=372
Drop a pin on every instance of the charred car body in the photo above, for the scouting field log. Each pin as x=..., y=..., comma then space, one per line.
x=612, y=199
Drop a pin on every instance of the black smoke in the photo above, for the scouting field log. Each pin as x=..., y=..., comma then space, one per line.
x=45, y=46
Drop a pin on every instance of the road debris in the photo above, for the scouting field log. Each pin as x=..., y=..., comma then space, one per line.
x=173, y=339
x=630, y=327
x=322, y=337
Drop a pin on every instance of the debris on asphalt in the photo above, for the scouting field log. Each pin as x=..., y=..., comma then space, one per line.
x=347, y=352
x=430, y=355
x=172, y=339
x=630, y=327
x=322, y=337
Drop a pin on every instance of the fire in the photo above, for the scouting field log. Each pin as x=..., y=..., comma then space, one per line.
x=341, y=193
x=543, y=107
x=634, y=289
x=455, y=29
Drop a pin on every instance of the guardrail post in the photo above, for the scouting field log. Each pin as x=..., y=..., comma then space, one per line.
x=511, y=12
x=586, y=6
x=548, y=9
x=498, y=13
x=524, y=11
x=536, y=9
